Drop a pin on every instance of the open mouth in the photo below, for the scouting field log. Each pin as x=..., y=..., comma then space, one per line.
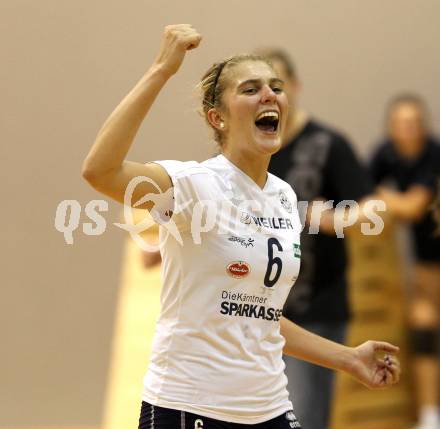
x=268, y=121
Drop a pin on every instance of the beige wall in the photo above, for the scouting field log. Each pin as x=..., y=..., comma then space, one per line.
x=65, y=64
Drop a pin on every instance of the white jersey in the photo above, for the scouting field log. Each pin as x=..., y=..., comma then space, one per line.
x=231, y=256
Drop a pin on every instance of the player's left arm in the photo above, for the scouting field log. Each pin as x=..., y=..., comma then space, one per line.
x=373, y=363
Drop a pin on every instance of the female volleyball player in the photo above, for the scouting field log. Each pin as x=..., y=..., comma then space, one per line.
x=217, y=353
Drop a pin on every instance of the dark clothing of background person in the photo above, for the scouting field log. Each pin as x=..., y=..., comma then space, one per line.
x=388, y=166
x=319, y=163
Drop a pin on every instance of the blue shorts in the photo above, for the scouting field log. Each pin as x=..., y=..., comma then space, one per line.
x=154, y=417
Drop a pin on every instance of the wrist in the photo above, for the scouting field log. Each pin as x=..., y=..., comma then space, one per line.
x=348, y=360
x=157, y=71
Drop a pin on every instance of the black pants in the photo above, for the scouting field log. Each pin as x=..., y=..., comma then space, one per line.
x=153, y=417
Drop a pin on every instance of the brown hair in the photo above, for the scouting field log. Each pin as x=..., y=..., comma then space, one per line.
x=214, y=83
x=407, y=98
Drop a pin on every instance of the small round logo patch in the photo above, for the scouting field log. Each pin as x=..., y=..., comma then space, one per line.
x=238, y=269
x=245, y=218
x=287, y=205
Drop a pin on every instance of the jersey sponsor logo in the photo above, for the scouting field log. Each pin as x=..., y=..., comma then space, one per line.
x=272, y=222
x=245, y=243
x=243, y=297
x=238, y=269
x=287, y=205
x=297, y=250
x=251, y=310
x=268, y=222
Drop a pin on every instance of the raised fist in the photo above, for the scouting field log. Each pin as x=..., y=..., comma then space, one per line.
x=176, y=41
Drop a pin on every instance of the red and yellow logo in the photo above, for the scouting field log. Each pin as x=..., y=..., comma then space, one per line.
x=238, y=269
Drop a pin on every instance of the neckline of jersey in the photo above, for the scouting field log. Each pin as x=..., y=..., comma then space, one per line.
x=266, y=186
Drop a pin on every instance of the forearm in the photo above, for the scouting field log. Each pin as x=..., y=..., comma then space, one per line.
x=328, y=221
x=409, y=206
x=307, y=346
x=336, y=221
x=402, y=209
x=117, y=134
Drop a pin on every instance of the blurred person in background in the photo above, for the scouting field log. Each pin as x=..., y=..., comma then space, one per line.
x=405, y=167
x=319, y=163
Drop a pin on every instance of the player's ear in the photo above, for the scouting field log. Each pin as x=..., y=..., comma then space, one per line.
x=215, y=119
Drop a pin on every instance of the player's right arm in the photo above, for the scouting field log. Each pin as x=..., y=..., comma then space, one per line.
x=105, y=166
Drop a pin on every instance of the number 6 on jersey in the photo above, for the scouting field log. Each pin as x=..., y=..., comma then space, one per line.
x=271, y=243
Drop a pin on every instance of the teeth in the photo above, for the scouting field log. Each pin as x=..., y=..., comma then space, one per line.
x=267, y=114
